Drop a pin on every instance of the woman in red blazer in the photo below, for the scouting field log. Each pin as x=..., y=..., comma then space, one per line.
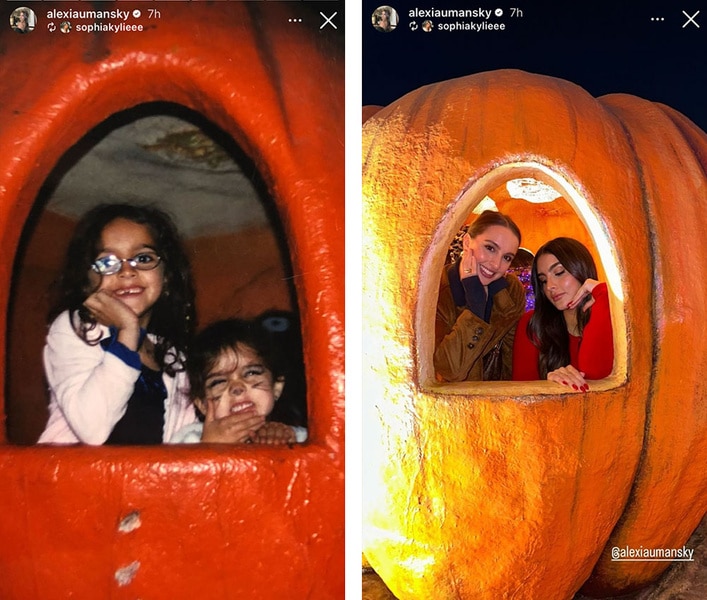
x=568, y=337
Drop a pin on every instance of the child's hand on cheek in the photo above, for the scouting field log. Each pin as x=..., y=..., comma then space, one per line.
x=236, y=428
x=111, y=311
x=274, y=433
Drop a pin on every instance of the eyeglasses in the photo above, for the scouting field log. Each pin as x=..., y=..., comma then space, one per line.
x=111, y=264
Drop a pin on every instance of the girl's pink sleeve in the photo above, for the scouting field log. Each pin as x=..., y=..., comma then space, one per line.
x=596, y=353
x=525, y=354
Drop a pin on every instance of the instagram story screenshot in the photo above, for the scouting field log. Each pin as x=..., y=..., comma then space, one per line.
x=534, y=187
x=172, y=230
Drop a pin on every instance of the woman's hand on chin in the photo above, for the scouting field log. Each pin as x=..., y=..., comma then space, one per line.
x=467, y=264
x=586, y=290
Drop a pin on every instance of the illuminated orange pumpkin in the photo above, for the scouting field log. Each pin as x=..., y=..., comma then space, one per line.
x=368, y=111
x=511, y=489
x=204, y=521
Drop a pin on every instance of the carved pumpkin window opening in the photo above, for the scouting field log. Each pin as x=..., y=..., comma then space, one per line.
x=165, y=155
x=544, y=204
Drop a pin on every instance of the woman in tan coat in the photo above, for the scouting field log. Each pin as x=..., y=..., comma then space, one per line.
x=479, y=305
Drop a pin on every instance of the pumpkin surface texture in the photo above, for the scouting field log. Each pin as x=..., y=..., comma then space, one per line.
x=517, y=489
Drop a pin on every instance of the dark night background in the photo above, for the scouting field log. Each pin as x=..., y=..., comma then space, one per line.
x=604, y=47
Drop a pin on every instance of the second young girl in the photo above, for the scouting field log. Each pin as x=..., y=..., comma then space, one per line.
x=237, y=373
x=125, y=315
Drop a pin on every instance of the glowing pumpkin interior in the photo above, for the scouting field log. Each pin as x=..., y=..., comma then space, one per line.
x=563, y=211
x=188, y=521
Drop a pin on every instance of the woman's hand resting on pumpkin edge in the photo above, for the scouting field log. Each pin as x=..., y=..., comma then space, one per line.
x=569, y=377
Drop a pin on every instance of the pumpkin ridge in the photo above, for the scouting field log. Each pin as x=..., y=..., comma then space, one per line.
x=655, y=349
x=428, y=105
x=655, y=500
x=690, y=133
x=580, y=458
x=266, y=52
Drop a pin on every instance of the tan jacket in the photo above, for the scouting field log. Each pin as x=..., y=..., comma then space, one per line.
x=462, y=339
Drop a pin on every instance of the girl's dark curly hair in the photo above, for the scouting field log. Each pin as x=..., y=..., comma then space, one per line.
x=173, y=315
x=547, y=327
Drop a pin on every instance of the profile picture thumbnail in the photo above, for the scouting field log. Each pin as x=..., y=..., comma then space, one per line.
x=427, y=25
x=23, y=20
x=385, y=18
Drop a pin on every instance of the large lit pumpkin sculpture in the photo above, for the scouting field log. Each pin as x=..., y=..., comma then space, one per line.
x=511, y=489
x=202, y=521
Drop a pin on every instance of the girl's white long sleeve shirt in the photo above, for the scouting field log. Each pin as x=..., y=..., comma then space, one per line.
x=90, y=387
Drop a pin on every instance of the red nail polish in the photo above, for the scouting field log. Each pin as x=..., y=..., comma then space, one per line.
x=564, y=383
x=574, y=385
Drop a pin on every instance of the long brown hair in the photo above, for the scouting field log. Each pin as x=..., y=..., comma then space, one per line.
x=547, y=327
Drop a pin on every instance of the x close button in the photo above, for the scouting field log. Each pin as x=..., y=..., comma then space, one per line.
x=328, y=20
x=691, y=19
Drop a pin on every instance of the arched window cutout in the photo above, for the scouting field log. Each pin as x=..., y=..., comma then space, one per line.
x=569, y=213
x=165, y=155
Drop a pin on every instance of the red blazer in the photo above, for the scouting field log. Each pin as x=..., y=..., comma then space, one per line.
x=592, y=353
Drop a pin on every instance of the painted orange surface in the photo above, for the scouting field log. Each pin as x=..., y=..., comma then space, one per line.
x=254, y=282
x=204, y=521
x=368, y=111
x=516, y=489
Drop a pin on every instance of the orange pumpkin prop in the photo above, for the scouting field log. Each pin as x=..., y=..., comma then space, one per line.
x=200, y=521
x=510, y=489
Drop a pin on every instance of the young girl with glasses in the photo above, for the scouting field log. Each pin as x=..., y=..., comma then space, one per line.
x=238, y=367
x=121, y=326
